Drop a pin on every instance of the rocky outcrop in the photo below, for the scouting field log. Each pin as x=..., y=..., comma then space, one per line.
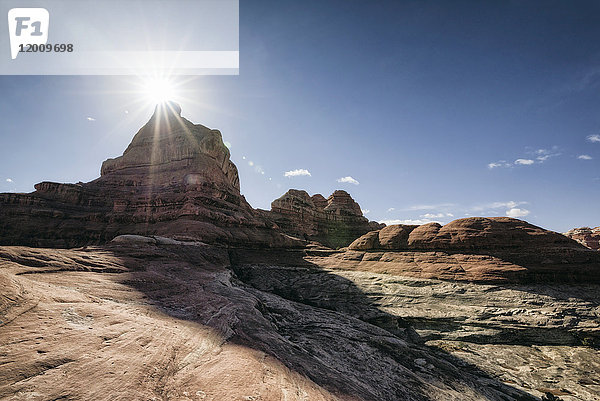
x=168, y=321
x=175, y=179
x=473, y=249
x=468, y=234
x=537, y=337
x=586, y=236
x=335, y=221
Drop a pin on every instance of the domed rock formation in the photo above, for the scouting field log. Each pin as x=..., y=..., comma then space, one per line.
x=335, y=221
x=586, y=236
x=475, y=249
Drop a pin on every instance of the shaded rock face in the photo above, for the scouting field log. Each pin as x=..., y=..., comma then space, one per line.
x=473, y=249
x=586, y=236
x=542, y=338
x=171, y=150
x=145, y=320
x=335, y=221
x=174, y=179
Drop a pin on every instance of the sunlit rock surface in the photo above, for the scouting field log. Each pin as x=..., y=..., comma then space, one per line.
x=496, y=249
x=589, y=237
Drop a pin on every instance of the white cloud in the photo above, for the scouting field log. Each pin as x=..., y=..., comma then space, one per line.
x=391, y=209
x=297, y=172
x=541, y=155
x=433, y=216
x=91, y=119
x=544, y=154
x=449, y=215
x=585, y=157
x=501, y=163
x=516, y=212
x=9, y=180
x=497, y=205
x=348, y=180
x=594, y=138
x=407, y=221
x=126, y=111
x=365, y=211
x=430, y=207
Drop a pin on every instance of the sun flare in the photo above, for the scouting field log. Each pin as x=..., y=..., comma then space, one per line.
x=159, y=90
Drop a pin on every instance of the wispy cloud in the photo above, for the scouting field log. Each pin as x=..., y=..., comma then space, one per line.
x=91, y=119
x=348, y=180
x=516, y=212
x=436, y=215
x=297, y=173
x=497, y=205
x=593, y=138
x=541, y=155
x=9, y=180
x=501, y=163
x=430, y=207
x=407, y=221
x=537, y=156
x=585, y=157
x=365, y=211
x=391, y=209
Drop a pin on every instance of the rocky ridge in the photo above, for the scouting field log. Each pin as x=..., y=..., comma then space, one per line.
x=334, y=222
x=587, y=236
x=175, y=179
x=476, y=249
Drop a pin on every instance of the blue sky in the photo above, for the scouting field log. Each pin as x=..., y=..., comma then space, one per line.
x=435, y=110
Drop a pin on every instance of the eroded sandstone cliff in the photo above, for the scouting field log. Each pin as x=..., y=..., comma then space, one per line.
x=482, y=249
x=175, y=179
x=335, y=221
x=587, y=236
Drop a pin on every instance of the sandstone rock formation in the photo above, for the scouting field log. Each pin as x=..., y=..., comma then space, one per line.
x=589, y=237
x=175, y=179
x=335, y=221
x=158, y=321
x=473, y=249
x=537, y=337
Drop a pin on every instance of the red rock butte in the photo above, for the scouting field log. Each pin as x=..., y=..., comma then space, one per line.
x=175, y=179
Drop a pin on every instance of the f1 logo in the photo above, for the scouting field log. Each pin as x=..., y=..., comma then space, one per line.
x=27, y=26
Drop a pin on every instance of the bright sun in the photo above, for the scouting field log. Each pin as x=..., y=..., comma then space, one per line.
x=159, y=90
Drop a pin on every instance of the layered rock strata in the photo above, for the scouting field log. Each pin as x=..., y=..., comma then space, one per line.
x=498, y=249
x=174, y=179
x=334, y=222
x=148, y=320
x=589, y=237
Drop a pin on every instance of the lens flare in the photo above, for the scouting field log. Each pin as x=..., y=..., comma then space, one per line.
x=159, y=90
